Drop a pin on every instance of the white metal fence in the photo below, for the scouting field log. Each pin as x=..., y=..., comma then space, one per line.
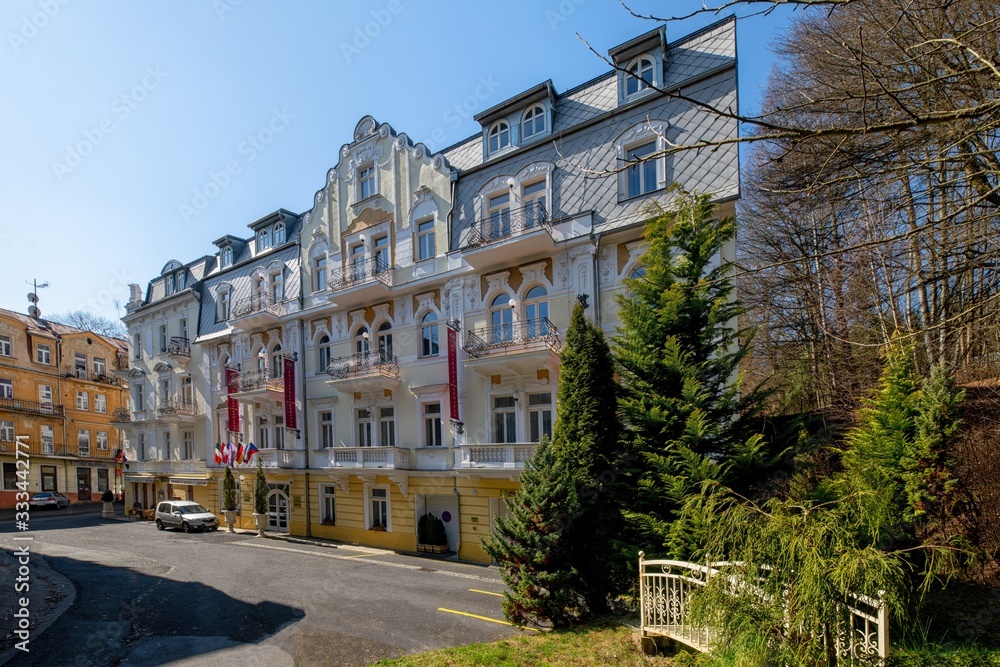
x=666, y=589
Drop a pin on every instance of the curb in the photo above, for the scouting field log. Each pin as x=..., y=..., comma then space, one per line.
x=53, y=583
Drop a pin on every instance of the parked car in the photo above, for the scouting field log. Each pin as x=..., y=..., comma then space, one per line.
x=186, y=515
x=48, y=499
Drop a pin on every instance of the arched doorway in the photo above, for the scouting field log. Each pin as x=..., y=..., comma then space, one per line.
x=277, y=511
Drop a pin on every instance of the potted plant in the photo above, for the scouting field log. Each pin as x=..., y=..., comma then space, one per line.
x=431, y=535
x=260, y=500
x=438, y=536
x=108, y=508
x=229, y=499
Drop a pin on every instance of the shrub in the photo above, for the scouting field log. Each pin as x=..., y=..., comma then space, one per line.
x=229, y=491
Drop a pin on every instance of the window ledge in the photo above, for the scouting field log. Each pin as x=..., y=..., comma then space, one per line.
x=626, y=200
x=367, y=202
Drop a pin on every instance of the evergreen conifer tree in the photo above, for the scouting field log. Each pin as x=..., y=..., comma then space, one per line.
x=533, y=548
x=585, y=437
x=678, y=352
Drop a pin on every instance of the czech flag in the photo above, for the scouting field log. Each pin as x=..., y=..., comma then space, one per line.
x=250, y=451
x=218, y=453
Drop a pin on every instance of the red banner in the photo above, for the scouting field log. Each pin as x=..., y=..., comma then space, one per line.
x=232, y=383
x=453, y=373
x=289, y=377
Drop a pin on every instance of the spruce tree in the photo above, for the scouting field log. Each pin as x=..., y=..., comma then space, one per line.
x=533, y=549
x=678, y=353
x=585, y=437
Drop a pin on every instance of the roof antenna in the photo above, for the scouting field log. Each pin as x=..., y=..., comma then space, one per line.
x=33, y=298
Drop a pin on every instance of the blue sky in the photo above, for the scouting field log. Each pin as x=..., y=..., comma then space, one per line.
x=117, y=114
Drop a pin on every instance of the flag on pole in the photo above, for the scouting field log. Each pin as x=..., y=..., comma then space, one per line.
x=250, y=451
x=239, y=453
x=218, y=453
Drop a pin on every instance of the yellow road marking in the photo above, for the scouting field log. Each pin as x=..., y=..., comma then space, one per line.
x=476, y=590
x=483, y=618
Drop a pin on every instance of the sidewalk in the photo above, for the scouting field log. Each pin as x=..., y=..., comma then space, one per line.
x=50, y=594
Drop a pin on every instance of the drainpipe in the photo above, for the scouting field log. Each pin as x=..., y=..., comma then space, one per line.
x=458, y=515
x=597, y=280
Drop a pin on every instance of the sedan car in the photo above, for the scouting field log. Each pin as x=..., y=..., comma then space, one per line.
x=48, y=499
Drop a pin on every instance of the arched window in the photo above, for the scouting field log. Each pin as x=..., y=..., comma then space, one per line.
x=277, y=367
x=533, y=122
x=499, y=137
x=361, y=344
x=263, y=240
x=385, y=342
x=278, y=234
x=501, y=320
x=429, y=335
x=324, y=353
x=536, y=312
x=640, y=75
x=227, y=256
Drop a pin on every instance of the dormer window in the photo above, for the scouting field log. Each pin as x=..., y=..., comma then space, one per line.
x=499, y=137
x=533, y=123
x=227, y=256
x=180, y=280
x=366, y=182
x=640, y=75
x=278, y=234
x=169, y=284
x=263, y=240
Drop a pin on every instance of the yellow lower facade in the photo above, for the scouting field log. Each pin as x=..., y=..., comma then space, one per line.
x=349, y=507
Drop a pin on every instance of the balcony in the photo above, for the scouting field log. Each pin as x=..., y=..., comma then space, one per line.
x=268, y=384
x=121, y=416
x=179, y=349
x=31, y=407
x=272, y=459
x=361, y=283
x=177, y=410
x=498, y=240
x=523, y=346
x=363, y=371
x=259, y=311
x=34, y=449
x=166, y=467
x=511, y=456
x=84, y=374
x=364, y=457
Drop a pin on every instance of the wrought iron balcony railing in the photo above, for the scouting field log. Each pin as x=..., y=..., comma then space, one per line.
x=363, y=363
x=177, y=406
x=179, y=346
x=501, y=226
x=266, y=379
x=120, y=416
x=485, y=340
x=255, y=304
x=92, y=376
x=31, y=407
x=357, y=273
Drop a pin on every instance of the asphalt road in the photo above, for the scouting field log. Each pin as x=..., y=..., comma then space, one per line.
x=145, y=597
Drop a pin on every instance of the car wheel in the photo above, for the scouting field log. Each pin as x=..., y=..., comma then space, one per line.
x=214, y=528
x=186, y=527
x=159, y=525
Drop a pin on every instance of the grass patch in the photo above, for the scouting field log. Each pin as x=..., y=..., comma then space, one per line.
x=607, y=643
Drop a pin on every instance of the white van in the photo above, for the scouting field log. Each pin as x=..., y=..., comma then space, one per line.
x=186, y=515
